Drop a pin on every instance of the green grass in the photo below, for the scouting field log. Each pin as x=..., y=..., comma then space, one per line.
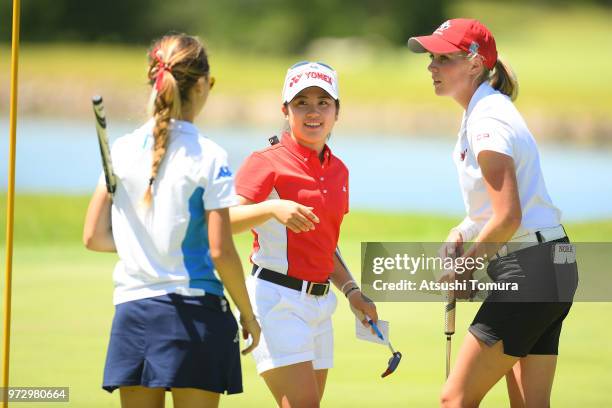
x=43, y=220
x=62, y=311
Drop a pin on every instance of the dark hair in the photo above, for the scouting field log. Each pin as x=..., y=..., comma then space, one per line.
x=335, y=100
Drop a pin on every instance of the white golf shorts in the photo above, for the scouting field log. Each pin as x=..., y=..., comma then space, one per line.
x=295, y=327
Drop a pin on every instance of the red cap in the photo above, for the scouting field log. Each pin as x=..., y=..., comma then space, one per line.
x=459, y=34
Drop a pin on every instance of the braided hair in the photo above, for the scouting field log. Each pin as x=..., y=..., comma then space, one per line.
x=176, y=62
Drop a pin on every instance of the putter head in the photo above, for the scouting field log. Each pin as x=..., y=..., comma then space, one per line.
x=393, y=363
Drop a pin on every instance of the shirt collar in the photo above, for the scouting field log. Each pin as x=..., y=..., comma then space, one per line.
x=183, y=126
x=483, y=90
x=179, y=126
x=303, y=152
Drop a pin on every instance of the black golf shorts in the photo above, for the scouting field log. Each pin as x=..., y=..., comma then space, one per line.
x=529, y=320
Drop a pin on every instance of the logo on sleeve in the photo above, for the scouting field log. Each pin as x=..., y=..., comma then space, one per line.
x=462, y=154
x=482, y=136
x=224, y=171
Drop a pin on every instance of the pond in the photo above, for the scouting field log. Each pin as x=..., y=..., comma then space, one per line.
x=394, y=173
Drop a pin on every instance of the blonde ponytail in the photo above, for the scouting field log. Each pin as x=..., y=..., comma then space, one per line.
x=503, y=78
x=176, y=63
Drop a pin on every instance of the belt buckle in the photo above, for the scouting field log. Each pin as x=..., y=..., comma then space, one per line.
x=552, y=234
x=311, y=285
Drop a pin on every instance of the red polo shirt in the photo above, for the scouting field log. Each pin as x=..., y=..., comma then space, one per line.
x=291, y=171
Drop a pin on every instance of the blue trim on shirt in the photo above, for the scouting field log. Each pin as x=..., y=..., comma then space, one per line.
x=196, y=249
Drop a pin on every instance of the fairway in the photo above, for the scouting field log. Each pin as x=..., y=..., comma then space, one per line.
x=411, y=112
x=62, y=311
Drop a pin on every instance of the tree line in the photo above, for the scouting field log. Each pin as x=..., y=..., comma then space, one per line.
x=277, y=26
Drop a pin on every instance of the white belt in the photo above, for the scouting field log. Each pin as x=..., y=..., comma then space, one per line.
x=530, y=239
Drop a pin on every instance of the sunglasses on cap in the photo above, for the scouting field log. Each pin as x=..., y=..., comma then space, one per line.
x=299, y=64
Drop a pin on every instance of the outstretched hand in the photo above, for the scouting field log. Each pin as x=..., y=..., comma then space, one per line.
x=297, y=217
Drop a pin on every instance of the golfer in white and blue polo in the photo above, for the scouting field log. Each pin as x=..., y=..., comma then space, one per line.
x=172, y=329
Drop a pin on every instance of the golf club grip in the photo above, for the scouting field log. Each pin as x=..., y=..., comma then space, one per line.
x=98, y=107
x=449, y=315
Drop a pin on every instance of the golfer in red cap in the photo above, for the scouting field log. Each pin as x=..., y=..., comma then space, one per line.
x=511, y=220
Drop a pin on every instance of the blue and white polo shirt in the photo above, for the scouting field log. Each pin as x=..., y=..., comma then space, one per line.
x=164, y=249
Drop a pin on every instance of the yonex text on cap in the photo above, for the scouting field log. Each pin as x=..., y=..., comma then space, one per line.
x=459, y=34
x=306, y=74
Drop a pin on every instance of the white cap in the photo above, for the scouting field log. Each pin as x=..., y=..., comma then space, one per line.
x=306, y=74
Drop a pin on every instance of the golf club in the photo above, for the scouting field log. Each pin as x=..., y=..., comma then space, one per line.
x=449, y=313
x=107, y=165
x=395, y=359
x=397, y=356
x=449, y=326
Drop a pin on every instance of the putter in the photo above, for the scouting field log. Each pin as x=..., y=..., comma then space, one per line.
x=393, y=361
x=396, y=355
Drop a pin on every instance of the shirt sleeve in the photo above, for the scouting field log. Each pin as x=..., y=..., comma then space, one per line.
x=490, y=134
x=255, y=179
x=102, y=179
x=219, y=191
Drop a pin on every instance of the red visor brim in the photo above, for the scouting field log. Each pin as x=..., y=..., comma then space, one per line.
x=431, y=43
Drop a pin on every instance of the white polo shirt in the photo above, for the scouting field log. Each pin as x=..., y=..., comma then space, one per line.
x=493, y=123
x=165, y=249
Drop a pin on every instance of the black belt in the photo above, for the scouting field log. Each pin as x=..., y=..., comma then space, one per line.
x=312, y=288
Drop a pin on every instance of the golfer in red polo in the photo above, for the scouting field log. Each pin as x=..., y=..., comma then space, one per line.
x=294, y=195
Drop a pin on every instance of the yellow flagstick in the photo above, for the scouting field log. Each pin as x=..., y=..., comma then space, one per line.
x=6, y=339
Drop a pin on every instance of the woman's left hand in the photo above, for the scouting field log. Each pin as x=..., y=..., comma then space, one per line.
x=362, y=306
x=452, y=276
